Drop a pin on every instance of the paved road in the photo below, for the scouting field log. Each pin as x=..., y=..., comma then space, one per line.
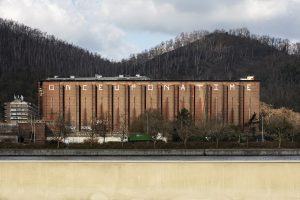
x=151, y=158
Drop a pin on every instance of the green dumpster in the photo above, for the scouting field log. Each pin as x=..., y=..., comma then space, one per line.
x=139, y=137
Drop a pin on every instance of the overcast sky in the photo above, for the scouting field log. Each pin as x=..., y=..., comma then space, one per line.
x=117, y=28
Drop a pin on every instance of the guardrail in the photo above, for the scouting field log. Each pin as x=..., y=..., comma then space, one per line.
x=150, y=152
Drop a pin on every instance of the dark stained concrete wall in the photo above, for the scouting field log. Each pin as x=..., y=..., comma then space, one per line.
x=122, y=102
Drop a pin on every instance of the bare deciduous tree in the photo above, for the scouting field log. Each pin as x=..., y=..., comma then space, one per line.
x=185, y=125
x=62, y=130
x=280, y=127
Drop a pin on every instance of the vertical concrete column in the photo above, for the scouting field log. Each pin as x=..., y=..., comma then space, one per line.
x=143, y=99
x=167, y=101
x=159, y=98
x=151, y=96
x=111, y=106
x=176, y=100
x=192, y=101
x=45, y=102
x=126, y=107
x=233, y=103
x=61, y=101
x=232, y=111
x=103, y=100
x=78, y=107
x=225, y=104
x=247, y=103
x=200, y=94
x=217, y=98
x=39, y=99
x=251, y=100
x=208, y=103
x=128, y=110
x=241, y=105
x=94, y=100
x=119, y=106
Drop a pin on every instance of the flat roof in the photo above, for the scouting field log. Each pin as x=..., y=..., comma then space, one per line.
x=108, y=79
x=139, y=78
x=100, y=78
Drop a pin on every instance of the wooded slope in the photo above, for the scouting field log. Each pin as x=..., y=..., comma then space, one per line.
x=29, y=55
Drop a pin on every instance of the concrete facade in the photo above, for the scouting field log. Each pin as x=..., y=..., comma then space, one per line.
x=80, y=101
x=19, y=110
x=32, y=132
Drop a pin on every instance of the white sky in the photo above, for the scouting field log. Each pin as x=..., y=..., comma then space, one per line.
x=117, y=28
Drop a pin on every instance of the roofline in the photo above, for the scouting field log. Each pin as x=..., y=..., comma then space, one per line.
x=152, y=80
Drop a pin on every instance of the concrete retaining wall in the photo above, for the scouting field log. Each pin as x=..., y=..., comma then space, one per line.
x=10, y=138
x=150, y=152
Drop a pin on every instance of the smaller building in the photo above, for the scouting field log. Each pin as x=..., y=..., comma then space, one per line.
x=8, y=133
x=19, y=110
x=32, y=132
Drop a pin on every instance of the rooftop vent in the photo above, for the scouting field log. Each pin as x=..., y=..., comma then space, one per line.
x=248, y=78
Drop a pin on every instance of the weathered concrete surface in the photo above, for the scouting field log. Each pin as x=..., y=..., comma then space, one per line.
x=148, y=181
x=100, y=152
x=252, y=152
x=150, y=152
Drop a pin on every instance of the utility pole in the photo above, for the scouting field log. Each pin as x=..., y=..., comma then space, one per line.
x=262, y=128
x=31, y=124
x=147, y=124
x=34, y=129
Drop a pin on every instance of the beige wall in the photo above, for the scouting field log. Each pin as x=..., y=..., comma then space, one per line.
x=82, y=101
x=31, y=180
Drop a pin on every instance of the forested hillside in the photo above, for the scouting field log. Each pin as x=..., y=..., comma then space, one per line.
x=29, y=55
x=228, y=55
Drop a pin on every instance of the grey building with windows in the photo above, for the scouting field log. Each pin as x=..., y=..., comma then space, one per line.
x=19, y=110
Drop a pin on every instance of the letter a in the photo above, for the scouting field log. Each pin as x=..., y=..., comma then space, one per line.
x=182, y=87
